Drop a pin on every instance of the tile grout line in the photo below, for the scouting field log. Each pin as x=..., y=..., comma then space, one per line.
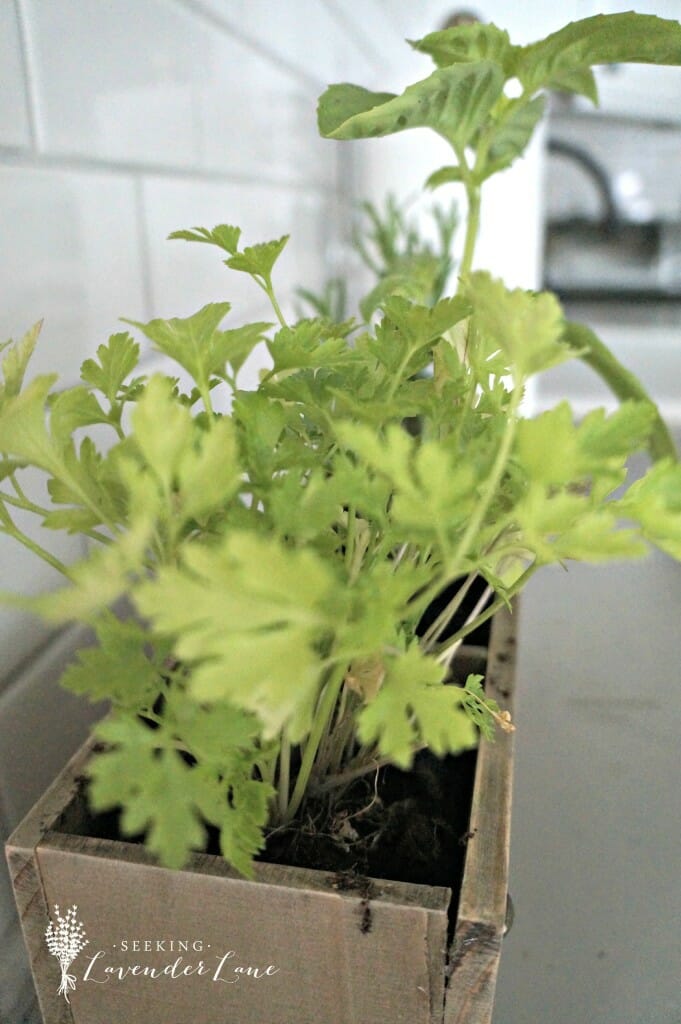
x=28, y=67
x=142, y=227
x=13, y=156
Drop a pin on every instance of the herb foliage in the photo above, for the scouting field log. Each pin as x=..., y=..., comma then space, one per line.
x=281, y=557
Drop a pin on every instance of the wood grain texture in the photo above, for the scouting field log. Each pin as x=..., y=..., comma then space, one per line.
x=476, y=950
x=328, y=967
x=27, y=884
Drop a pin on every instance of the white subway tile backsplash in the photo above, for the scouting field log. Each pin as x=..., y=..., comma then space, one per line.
x=304, y=35
x=166, y=88
x=69, y=254
x=184, y=276
x=271, y=132
x=14, y=123
x=117, y=80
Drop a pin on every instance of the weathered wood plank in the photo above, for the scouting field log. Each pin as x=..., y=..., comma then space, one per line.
x=475, y=953
x=27, y=884
x=329, y=967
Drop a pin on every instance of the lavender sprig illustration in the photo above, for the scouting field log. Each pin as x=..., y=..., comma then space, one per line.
x=65, y=940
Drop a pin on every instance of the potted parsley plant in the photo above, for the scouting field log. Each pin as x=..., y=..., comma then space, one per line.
x=280, y=552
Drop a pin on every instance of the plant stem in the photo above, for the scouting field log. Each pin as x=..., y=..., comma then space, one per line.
x=41, y=552
x=284, y=774
x=491, y=484
x=269, y=291
x=325, y=709
x=622, y=382
x=436, y=627
x=472, y=225
x=514, y=589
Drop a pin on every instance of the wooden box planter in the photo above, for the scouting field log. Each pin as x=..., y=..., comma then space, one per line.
x=291, y=947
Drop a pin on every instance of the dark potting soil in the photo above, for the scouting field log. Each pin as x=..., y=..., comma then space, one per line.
x=402, y=826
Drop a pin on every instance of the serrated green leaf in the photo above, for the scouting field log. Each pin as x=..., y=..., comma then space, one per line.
x=225, y=236
x=192, y=341
x=258, y=259
x=559, y=60
x=155, y=788
x=511, y=134
x=240, y=608
x=555, y=451
x=117, y=360
x=23, y=432
x=73, y=520
x=454, y=101
x=72, y=409
x=235, y=346
x=597, y=537
x=528, y=326
x=15, y=362
x=119, y=669
x=212, y=732
x=480, y=708
x=466, y=43
x=308, y=343
x=413, y=707
x=162, y=430
x=654, y=501
x=209, y=472
x=422, y=325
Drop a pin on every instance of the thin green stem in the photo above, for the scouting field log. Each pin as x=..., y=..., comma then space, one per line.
x=269, y=291
x=37, y=549
x=350, y=537
x=444, y=618
x=472, y=226
x=491, y=484
x=325, y=709
x=284, y=774
x=500, y=601
x=622, y=382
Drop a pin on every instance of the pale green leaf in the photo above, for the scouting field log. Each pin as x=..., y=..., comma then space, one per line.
x=162, y=429
x=602, y=39
x=119, y=669
x=466, y=43
x=511, y=134
x=72, y=409
x=444, y=176
x=15, y=362
x=209, y=472
x=258, y=259
x=190, y=341
x=654, y=501
x=235, y=346
x=412, y=707
x=116, y=361
x=224, y=236
x=23, y=432
x=528, y=326
x=454, y=101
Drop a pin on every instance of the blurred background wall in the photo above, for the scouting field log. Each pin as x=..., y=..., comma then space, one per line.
x=121, y=120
